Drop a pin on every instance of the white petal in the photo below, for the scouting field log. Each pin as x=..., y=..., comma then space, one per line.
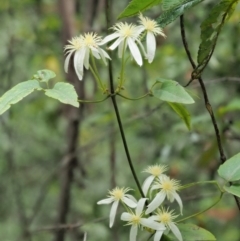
x=126, y=216
x=113, y=213
x=133, y=233
x=177, y=197
x=85, y=237
x=104, y=55
x=175, y=231
x=156, y=202
x=109, y=38
x=66, y=63
x=95, y=53
x=105, y=201
x=116, y=43
x=147, y=183
x=86, y=59
x=158, y=235
x=151, y=46
x=152, y=224
x=131, y=197
x=120, y=49
x=129, y=202
x=135, y=51
x=140, y=206
x=78, y=62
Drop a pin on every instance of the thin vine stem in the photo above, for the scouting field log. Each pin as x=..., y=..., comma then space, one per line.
x=207, y=103
x=94, y=101
x=137, y=98
x=113, y=98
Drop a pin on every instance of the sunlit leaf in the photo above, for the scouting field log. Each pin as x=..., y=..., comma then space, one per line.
x=182, y=112
x=44, y=75
x=17, y=93
x=234, y=189
x=170, y=15
x=210, y=30
x=65, y=93
x=136, y=6
x=230, y=169
x=171, y=91
x=191, y=232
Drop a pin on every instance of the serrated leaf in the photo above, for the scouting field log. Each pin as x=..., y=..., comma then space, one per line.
x=171, y=91
x=234, y=189
x=210, y=30
x=44, y=75
x=17, y=93
x=230, y=169
x=182, y=112
x=136, y=6
x=65, y=93
x=170, y=15
x=191, y=232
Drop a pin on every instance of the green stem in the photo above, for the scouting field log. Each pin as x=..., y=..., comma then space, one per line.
x=196, y=214
x=97, y=78
x=203, y=182
x=94, y=101
x=138, y=98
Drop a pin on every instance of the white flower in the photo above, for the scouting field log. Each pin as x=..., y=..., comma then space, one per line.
x=116, y=195
x=168, y=188
x=155, y=171
x=84, y=46
x=166, y=217
x=127, y=35
x=152, y=29
x=136, y=219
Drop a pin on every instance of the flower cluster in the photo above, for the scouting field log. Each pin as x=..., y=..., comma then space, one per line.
x=161, y=219
x=125, y=35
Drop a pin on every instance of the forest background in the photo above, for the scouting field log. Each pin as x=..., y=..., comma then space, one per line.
x=57, y=161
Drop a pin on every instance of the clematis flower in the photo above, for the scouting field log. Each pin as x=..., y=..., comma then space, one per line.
x=168, y=188
x=166, y=217
x=116, y=195
x=136, y=219
x=84, y=46
x=126, y=35
x=156, y=171
x=152, y=29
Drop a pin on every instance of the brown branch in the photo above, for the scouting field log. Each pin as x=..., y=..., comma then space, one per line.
x=207, y=103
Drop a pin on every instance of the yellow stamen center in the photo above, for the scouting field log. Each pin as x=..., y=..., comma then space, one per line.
x=165, y=218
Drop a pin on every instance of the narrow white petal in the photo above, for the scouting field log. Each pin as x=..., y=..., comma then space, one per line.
x=95, y=53
x=109, y=38
x=126, y=216
x=140, y=206
x=177, y=197
x=120, y=49
x=78, y=63
x=158, y=235
x=175, y=231
x=129, y=202
x=66, y=63
x=147, y=183
x=104, y=55
x=133, y=233
x=105, y=201
x=85, y=237
x=131, y=197
x=86, y=58
x=113, y=213
x=116, y=43
x=135, y=51
x=156, y=202
x=152, y=224
x=151, y=46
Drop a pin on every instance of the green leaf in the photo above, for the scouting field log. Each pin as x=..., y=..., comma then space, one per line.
x=230, y=169
x=169, y=4
x=44, y=75
x=233, y=105
x=136, y=6
x=65, y=93
x=234, y=189
x=191, y=232
x=182, y=112
x=17, y=93
x=171, y=91
x=173, y=13
x=210, y=30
